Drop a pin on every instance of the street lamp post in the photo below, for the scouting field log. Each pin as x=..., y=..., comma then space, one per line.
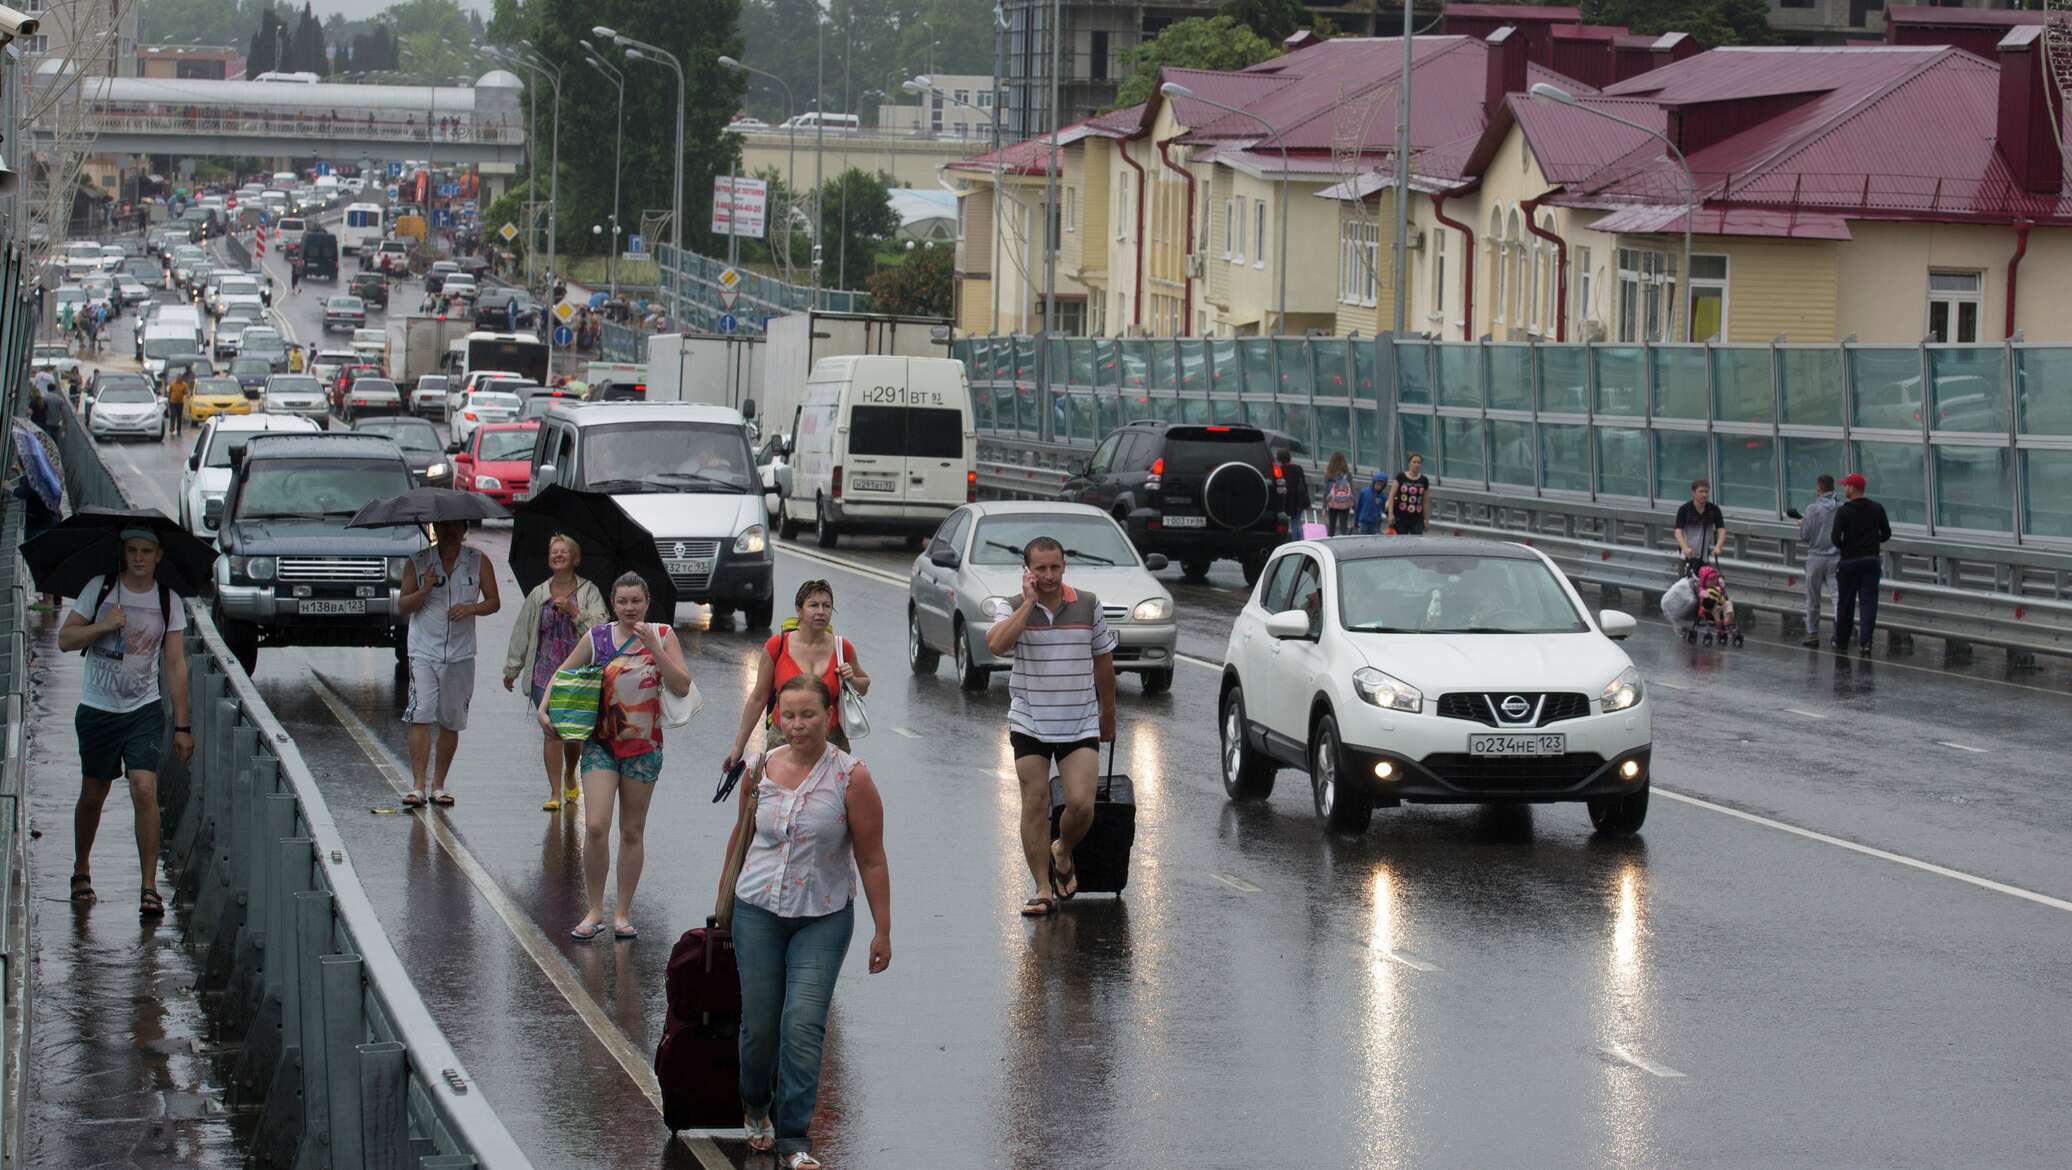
x=531, y=59
x=923, y=85
x=639, y=50
x=1554, y=93
x=1174, y=89
x=618, y=79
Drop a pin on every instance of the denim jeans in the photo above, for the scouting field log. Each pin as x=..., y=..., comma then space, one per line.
x=1856, y=581
x=788, y=968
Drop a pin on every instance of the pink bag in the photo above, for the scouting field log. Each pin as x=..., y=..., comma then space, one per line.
x=1314, y=531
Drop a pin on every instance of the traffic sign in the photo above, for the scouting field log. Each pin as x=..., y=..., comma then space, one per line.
x=728, y=278
x=564, y=336
x=323, y=168
x=468, y=207
x=441, y=217
x=728, y=323
x=394, y=193
x=509, y=232
x=727, y=299
x=636, y=246
x=564, y=310
x=395, y=170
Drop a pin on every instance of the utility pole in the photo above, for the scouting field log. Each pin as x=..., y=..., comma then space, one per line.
x=999, y=68
x=1402, y=257
x=819, y=141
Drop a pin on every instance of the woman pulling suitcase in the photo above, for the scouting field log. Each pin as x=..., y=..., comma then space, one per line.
x=817, y=824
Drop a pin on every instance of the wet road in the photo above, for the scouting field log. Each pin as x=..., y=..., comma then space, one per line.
x=1842, y=939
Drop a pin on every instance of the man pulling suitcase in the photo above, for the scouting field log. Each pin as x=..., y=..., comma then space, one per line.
x=1062, y=709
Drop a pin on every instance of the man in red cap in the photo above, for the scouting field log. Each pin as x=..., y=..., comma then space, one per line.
x=1860, y=533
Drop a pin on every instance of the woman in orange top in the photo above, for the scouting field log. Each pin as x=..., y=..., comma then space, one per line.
x=808, y=650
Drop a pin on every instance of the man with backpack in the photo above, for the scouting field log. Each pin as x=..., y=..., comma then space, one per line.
x=128, y=625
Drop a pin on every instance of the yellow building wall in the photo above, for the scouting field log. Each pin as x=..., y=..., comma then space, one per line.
x=1883, y=279
x=1786, y=288
x=975, y=242
x=1214, y=263
x=975, y=305
x=1096, y=201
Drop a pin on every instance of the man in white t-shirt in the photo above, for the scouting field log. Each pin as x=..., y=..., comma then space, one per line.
x=129, y=629
x=445, y=588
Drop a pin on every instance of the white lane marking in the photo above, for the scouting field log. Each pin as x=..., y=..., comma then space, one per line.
x=1236, y=883
x=1872, y=851
x=137, y=474
x=909, y=732
x=1618, y=1052
x=1656, y=682
x=528, y=935
x=1806, y=713
x=876, y=574
x=1962, y=747
x=1410, y=961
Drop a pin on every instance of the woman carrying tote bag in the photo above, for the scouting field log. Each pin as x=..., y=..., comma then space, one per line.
x=557, y=613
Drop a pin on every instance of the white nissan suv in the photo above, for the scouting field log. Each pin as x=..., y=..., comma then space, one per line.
x=1432, y=670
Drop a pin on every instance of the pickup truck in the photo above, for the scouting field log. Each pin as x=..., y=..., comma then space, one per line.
x=291, y=573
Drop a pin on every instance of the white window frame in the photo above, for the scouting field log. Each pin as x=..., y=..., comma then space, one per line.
x=1532, y=295
x=1437, y=235
x=1259, y=233
x=1071, y=210
x=1954, y=300
x=1358, y=250
x=1228, y=233
x=1726, y=308
x=1648, y=277
x=1237, y=241
x=1583, y=282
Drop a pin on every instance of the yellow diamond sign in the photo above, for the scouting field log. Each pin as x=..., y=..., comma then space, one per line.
x=509, y=232
x=728, y=279
x=564, y=310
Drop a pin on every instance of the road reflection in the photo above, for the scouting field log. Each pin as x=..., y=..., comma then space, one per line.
x=1075, y=1029
x=1627, y=1026
x=1385, y=1009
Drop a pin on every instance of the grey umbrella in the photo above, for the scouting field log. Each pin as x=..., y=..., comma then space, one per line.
x=426, y=505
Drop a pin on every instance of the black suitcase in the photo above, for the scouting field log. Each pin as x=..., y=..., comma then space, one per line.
x=1102, y=859
x=699, y=1060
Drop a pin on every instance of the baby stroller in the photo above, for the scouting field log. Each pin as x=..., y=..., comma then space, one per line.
x=1712, y=620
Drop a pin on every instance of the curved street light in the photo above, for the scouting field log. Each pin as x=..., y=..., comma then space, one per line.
x=617, y=78
x=639, y=50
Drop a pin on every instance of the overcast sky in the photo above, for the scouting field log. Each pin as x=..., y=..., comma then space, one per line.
x=360, y=9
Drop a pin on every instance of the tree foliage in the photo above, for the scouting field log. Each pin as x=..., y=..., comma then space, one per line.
x=923, y=286
x=1273, y=20
x=1711, y=22
x=856, y=218
x=865, y=51
x=1217, y=42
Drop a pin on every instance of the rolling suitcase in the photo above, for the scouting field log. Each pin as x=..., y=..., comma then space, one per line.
x=1102, y=859
x=699, y=1060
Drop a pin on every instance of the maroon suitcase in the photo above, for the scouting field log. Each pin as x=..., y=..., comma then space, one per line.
x=699, y=1059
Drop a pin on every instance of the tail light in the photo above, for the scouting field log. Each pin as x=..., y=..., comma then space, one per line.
x=1156, y=479
x=971, y=487
x=468, y=414
x=1218, y=430
x=1280, y=484
x=837, y=480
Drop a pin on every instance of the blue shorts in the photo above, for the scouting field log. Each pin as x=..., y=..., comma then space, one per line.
x=645, y=767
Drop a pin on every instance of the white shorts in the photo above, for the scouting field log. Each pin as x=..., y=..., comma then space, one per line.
x=439, y=693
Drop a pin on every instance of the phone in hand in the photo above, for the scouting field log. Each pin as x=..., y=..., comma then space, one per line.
x=1793, y=513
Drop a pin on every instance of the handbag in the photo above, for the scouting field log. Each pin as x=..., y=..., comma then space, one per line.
x=574, y=696
x=678, y=710
x=856, y=721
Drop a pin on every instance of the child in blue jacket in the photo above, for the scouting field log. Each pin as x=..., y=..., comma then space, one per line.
x=1367, y=513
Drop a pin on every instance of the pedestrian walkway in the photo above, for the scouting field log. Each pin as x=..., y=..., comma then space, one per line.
x=122, y=1070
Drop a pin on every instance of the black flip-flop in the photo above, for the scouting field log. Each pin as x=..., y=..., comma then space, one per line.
x=1045, y=907
x=150, y=905
x=413, y=799
x=83, y=890
x=1058, y=881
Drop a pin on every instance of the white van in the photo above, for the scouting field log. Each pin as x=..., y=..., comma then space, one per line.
x=813, y=121
x=290, y=234
x=880, y=444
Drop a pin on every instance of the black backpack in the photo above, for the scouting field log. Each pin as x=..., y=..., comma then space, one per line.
x=165, y=603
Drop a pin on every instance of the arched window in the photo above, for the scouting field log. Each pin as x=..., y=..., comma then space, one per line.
x=1520, y=259
x=1496, y=265
x=1550, y=294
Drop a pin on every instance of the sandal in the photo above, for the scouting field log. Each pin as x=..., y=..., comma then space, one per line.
x=414, y=798
x=1039, y=907
x=581, y=935
x=150, y=905
x=442, y=798
x=762, y=1135
x=801, y=1160
x=1064, y=883
x=83, y=890
x=553, y=804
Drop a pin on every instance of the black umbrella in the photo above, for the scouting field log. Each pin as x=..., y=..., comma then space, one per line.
x=88, y=544
x=612, y=543
x=425, y=505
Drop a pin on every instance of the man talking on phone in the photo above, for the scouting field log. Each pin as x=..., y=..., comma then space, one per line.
x=1062, y=708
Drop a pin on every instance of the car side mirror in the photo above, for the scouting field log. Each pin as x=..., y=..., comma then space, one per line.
x=945, y=557
x=1616, y=624
x=748, y=409
x=1155, y=562
x=1290, y=623
x=544, y=474
x=783, y=478
x=453, y=448
x=194, y=460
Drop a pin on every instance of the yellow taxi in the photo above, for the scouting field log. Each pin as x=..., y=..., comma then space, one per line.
x=215, y=395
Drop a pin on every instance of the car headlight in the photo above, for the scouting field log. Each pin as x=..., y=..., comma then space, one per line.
x=395, y=567
x=489, y=481
x=436, y=471
x=1386, y=691
x=1622, y=692
x=256, y=568
x=751, y=541
x=1157, y=609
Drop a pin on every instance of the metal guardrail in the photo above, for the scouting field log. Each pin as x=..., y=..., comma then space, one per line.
x=342, y=1056
x=691, y=287
x=17, y=320
x=2019, y=599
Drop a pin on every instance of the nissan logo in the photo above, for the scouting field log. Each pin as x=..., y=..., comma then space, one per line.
x=1515, y=707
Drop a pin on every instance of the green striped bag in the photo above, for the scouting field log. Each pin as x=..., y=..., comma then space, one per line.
x=574, y=697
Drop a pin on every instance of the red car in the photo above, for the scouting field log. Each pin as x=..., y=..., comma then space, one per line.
x=345, y=380
x=497, y=460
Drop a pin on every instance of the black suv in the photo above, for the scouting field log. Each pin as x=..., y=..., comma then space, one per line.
x=292, y=573
x=1195, y=493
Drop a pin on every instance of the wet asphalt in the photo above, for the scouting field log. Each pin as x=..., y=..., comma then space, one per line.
x=1842, y=938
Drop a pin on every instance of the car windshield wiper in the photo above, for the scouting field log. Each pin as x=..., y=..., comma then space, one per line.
x=618, y=485
x=1479, y=630
x=1087, y=556
x=1005, y=548
x=699, y=477
x=280, y=516
x=1379, y=629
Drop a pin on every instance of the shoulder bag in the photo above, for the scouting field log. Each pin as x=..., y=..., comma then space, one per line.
x=575, y=695
x=856, y=721
x=678, y=710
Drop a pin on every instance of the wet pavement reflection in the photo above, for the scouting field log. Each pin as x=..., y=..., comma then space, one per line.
x=1466, y=986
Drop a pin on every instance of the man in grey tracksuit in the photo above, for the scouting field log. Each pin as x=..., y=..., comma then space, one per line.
x=1816, y=530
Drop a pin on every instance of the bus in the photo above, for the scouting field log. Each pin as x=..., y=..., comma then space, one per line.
x=516, y=353
x=839, y=123
x=364, y=227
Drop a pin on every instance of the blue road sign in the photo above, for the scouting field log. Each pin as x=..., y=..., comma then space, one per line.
x=564, y=336
x=394, y=192
x=441, y=217
x=468, y=207
x=728, y=322
x=449, y=190
x=636, y=245
x=323, y=168
x=395, y=171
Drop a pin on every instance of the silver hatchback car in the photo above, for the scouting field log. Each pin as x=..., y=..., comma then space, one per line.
x=973, y=565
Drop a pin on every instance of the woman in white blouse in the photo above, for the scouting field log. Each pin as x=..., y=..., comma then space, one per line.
x=818, y=825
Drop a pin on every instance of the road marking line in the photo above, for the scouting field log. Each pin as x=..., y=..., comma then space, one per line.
x=1872, y=851
x=876, y=574
x=1618, y=1051
x=1806, y=713
x=1236, y=883
x=527, y=933
x=137, y=473
x=909, y=732
x=1656, y=682
x=1411, y=962
x=1962, y=747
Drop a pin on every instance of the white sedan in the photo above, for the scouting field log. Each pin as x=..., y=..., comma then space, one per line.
x=1432, y=670
x=483, y=406
x=206, y=477
x=127, y=410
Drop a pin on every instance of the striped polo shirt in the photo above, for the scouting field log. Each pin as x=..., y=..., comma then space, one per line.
x=1052, y=685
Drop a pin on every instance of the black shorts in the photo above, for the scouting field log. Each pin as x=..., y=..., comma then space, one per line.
x=1409, y=525
x=113, y=744
x=1025, y=746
